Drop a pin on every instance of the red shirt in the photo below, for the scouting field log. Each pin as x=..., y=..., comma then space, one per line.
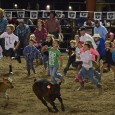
x=40, y=35
x=52, y=25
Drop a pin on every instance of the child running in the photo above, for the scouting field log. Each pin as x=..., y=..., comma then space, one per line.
x=87, y=69
x=30, y=53
x=32, y=37
x=71, y=52
x=109, y=58
x=54, y=58
x=48, y=42
x=10, y=48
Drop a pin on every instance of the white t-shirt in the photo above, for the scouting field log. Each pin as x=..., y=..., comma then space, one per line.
x=10, y=39
x=87, y=37
x=77, y=51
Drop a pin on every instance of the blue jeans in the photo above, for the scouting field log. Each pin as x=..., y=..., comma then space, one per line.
x=45, y=59
x=29, y=64
x=84, y=74
x=54, y=74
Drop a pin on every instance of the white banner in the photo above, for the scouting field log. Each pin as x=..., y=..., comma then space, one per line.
x=110, y=15
x=58, y=14
x=97, y=15
x=33, y=15
x=8, y=14
x=20, y=14
x=72, y=14
x=45, y=14
x=83, y=14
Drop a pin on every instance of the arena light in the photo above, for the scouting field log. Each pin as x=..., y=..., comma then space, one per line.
x=15, y=6
x=48, y=7
x=70, y=7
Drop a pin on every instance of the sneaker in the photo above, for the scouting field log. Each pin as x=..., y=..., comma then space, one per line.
x=18, y=59
x=80, y=88
x=11, y=73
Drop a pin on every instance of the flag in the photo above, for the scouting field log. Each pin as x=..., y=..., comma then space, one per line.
x=72, y=14
x=84, y=14
x=33, y=14
x=20, y=14
x=45, y=14
x=8, y=14
x=58, y=14
x=97, y=15
x=110, y=16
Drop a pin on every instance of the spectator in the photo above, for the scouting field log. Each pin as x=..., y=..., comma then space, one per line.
x=13, y=21
x=100, y=45
x=111, y=37
x=63, y=21
x=40, y=33
x=53, y=25
x=28, y=21
x=89, y=23
x=100, y=29
x=86, y=37
x=3, y=21
x=23, y=32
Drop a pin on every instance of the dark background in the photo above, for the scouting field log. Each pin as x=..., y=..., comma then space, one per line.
x=55, y=4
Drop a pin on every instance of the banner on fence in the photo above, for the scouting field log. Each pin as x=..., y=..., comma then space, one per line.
x=33, y=15
x=45, y=14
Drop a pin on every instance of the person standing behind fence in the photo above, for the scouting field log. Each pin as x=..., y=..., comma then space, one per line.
x=53, y=25
x=3, y=25
x=23, y=32
x=100, y=29
x=3, y=21
x=10, y=40
x=40, y=33
x=86, y=37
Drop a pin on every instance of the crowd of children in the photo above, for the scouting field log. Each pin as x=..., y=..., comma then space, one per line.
x=81, y=55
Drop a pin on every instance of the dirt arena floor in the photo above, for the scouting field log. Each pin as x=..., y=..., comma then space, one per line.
x=86, y=102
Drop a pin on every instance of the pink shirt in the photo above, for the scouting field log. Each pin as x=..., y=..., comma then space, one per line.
x=93, y=52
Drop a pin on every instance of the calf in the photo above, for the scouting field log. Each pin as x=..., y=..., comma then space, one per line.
x=5, y=84
x=45, y=91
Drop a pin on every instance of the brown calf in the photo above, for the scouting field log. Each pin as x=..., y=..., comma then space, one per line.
x=5, y=84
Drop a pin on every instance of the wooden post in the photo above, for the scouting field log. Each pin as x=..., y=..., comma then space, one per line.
x=90, y=6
